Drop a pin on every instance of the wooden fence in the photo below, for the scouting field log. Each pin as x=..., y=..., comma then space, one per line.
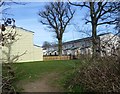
x=46, y=58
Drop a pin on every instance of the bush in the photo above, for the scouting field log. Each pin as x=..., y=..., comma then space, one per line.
x=70, y=85
x=101, y=75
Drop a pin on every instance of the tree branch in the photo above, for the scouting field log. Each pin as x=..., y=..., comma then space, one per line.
x=107, y=22
x=81, y=5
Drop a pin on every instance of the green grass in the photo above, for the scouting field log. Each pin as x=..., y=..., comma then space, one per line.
x=34, y=70
x=31, y=71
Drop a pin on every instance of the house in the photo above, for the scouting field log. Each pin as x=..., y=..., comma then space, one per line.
x=24, y=46
x=84, y=45
x=109, y=44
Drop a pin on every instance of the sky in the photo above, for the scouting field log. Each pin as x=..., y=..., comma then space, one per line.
x=27, y=17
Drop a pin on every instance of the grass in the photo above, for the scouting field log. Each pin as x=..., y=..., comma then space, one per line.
x=31, y=71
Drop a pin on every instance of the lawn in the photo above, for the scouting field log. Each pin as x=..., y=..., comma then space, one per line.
x=30, y=71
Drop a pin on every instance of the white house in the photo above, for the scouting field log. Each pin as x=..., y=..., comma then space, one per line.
x=84, y=45
x=24, y=45
x=109, y=43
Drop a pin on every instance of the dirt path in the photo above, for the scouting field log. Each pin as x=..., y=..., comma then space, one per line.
x=45, y=84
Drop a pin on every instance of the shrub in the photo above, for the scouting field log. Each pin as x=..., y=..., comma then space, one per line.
x=101, y=75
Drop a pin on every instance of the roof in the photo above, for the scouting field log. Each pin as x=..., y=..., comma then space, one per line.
x=104, y=34
x=22, y=29
x=72, y=48
x=25, y=29
x=74, y=41
x=37, y=45
x=83, y=39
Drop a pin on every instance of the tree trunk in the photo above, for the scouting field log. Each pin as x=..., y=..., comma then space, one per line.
x=60, y=47
x=9, y=53
x=94, y=40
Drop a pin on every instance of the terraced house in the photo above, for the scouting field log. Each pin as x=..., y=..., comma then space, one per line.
x=83, y=46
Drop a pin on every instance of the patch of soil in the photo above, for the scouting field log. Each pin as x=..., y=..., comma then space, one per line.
x=45, y=84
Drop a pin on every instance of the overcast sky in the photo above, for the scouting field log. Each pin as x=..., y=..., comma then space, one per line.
x=26, y=16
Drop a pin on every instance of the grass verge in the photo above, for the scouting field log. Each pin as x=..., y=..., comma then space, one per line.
x=31, y=71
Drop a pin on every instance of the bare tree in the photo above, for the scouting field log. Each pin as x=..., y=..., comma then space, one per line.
x=46, y=45
x=7, y=39
x=57, y=16
x=100, y=13
x=5, y=5
x=118, y=20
